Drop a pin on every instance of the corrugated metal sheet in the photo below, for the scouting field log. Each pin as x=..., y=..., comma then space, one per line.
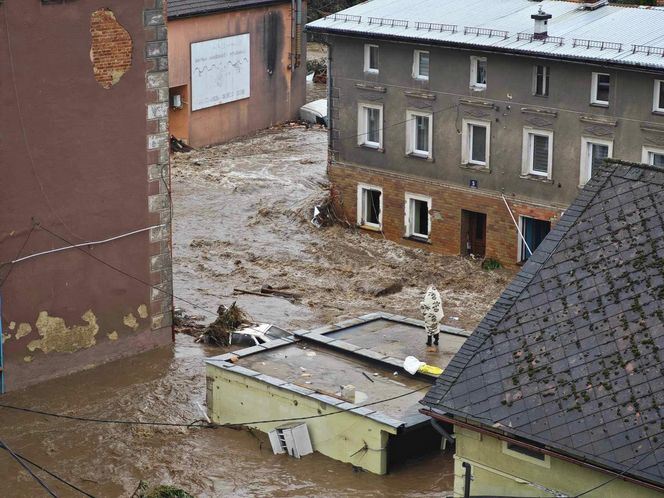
x=635, y=36
x=189, y=8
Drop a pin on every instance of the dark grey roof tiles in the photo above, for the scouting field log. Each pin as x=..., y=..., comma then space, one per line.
x=570, y=356
x=189, y=8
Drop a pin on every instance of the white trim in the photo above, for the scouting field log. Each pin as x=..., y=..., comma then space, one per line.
x=473, y=73
x=416, y=65
x=647, y=150
x=411, y=134
x=593, y=89
x=545, y=80
x=467, y=142
x=361, y=207
x=586, y=160
x=367, y=58
x=546, y=463
x=408, y=221
x=656, y=105
x=527, y=152
x=363, y=125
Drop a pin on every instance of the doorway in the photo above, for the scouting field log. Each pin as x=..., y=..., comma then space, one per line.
x=473, y=233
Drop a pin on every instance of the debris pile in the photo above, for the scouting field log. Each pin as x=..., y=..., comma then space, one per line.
x=229, y=319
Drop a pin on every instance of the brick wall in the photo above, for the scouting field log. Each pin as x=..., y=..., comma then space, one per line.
x=447, y=203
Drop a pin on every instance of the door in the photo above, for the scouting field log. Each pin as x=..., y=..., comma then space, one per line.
x=473, y=233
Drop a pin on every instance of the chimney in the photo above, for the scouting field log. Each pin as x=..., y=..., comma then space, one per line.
x=541, y=24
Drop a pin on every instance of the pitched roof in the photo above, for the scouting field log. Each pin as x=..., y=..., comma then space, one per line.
x=189, y=8
x=615, y=34
x=570, y=356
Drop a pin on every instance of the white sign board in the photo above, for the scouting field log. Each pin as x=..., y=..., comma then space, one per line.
x=220, y=71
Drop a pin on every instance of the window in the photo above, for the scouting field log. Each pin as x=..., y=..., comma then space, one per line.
x=541, y=81
x=478, y=73
x=653, y=156
x=421, y=65
x=476, y=137
x=419, y=134
x=526, y=454
x=658, y=97
x=593, y=153
x=537, y=152
x=417, y=216
x=370, y=125
x=534, y=231
x=370, y=207
x=371, y=58
x=600, y=90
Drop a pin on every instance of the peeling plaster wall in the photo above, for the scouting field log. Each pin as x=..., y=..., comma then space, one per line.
x=83, y=150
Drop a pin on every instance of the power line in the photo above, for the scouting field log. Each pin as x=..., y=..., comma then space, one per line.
x=18, y=255
x=27, y=469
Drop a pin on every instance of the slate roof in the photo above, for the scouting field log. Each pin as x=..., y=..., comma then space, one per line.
x=189, y=8
x=610, y=34
x=570, y=356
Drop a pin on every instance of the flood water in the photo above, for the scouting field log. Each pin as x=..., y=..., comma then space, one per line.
x=166, y=385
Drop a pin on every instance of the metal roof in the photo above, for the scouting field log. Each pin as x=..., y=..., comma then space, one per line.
x=614, y=34
x=189, y=8
x=570, y=356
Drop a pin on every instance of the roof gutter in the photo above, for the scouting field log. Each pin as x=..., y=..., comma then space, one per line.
x=502, y=437
x=470, y=46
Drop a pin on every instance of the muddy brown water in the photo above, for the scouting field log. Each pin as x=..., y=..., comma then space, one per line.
x=240, y=221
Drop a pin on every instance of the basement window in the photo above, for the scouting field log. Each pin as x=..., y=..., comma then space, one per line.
x=526, y=454
x=421, y=65
x=537, y=153
x=658, y=97
x=478, y=72
x=371, y=59
x=370, y=207
x=653, y=156
x=601, y=86
x=418, y=220
x=541, y=81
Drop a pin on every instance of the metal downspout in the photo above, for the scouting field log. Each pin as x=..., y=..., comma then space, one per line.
x=466, y=480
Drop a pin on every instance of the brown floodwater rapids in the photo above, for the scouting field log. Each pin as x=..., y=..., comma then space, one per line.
x=166, y=385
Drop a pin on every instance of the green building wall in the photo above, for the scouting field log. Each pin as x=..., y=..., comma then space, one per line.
x=498, y=472
x=348, y=437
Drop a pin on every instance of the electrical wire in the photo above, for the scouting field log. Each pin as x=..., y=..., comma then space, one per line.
x=27, y=469
x=18, y=255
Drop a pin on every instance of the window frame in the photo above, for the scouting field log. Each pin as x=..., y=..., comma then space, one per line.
x=594, y=88
x=411, y=134
x=466, y=143
x=408, y=216
x=528, y=156
x=586, y=160
x=647, y=150
x=363, y=126
x=474, y=59
x=367, y=58
x=521, y=231
x=545, y=80
x=360, y=207
x=544, y=462
x=657, y=105
x=416, y=65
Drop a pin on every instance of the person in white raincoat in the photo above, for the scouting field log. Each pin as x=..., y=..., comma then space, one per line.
x=432, y=309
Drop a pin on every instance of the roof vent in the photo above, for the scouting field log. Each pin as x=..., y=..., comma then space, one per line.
x=594, y=5
x=541, y=24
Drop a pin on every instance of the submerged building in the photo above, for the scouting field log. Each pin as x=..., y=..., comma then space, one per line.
x=85, y=224
x=457, y=124
x=236, y=66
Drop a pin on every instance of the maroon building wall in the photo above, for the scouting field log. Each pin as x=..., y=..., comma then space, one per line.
x=83, y=154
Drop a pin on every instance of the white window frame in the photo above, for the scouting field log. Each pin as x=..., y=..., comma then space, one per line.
x=593, y=90
x=474, y=59
x=586, y=159
x=527, y=154
x=362, y=126
x=408, y=221
x=367, y=58
x=416, y=65
x=361, y=188
x=467, y=142
x=656, y=105
x=647, y=150
x=411, y=134
x=545, y=81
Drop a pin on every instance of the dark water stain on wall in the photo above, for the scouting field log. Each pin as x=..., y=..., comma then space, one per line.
x=272, y=39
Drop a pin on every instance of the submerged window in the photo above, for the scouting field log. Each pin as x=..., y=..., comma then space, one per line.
x=417, y=216
x=369, y=206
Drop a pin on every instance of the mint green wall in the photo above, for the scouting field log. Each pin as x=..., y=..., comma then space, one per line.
x=234, y=398
x=497, y=473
